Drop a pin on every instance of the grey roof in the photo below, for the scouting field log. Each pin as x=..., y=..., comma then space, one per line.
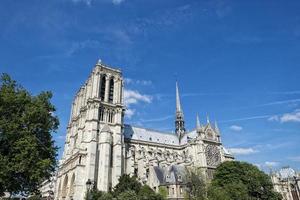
x=149, y=135
x=172, y=175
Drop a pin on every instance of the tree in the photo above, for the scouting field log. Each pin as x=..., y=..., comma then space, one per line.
x=27, y=150
x=98, y=195
x=196, y=184
x=241, y=180
x=146, y=193
x=127, y=195
x=163, y=191
x=127, y=183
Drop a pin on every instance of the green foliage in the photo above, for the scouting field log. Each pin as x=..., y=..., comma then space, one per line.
x=216, y=193
x=197, y=185
x=127, y=195
x=163, y=191
x=127, y=183
x=27, y=151
x=98, y=195
x=241, y=180
x=128, y=188
x=146, y=193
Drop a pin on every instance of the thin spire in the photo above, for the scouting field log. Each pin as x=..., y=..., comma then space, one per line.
x=207, y=119
x=198, y=125
x=178, y=104
x=217, y=127
x=179, y=119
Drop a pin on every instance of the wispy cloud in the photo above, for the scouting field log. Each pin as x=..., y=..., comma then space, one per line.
x=279, y=102
x=132, y=97
x=89, y=2
x=117, y=2
x=271, y=163
x=287, y=92
x=236, y=128
x=246, y=118
x=129, y=112
x=78, y=46
x=242, y=151
x=287, y=117
x=295, y=158
x=137, y=82
x=158, y=119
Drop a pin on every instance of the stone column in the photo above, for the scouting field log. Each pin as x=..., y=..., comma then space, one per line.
x=121, y=92
x=99, y=85
x=95, y=85
x=107, y=88
x=91, y=127
x=104, y=168
x=84, y=95
x=117, y=158
x=89, y=88
x=117, y=91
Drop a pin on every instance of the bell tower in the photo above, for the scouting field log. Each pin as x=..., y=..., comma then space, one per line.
x=110, y=122
x=103, y=126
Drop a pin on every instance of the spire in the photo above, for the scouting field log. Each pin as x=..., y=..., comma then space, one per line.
x=198, y=125
x=178, y=104
x=179, y=121
x=216, y=127
x=207, y=119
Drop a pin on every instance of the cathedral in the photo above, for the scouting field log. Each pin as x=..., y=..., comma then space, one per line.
x=99, y=147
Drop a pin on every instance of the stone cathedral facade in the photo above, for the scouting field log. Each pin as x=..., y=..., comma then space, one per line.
x=99, y=147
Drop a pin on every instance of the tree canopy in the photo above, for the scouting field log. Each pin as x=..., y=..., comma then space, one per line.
x=128, y=188
x=27, y=150
x=240, y=180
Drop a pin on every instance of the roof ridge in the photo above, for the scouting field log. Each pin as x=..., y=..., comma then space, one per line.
x=150, y=129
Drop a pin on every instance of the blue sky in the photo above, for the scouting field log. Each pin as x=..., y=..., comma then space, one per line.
x=236, y=61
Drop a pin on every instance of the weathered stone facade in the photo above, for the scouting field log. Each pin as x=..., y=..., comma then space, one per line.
x=100, y=147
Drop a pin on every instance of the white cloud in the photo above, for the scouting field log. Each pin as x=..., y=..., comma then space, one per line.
x=89, y=2
x=138, y=82
x=78, y=46
x=117, y=2
x=242, y=151
x=133, y=97
x=129, y=112
x=247, y=118
x=271, y=163
x=287, y=117
x=158, y=119
x=236, y=128
x=295, y=159
x=258, y=165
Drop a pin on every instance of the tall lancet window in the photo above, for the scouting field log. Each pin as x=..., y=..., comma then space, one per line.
x=111, y=91
x=102, y=89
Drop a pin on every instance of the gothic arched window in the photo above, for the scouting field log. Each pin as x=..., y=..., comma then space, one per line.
x=102, y=89
x=111, y=91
